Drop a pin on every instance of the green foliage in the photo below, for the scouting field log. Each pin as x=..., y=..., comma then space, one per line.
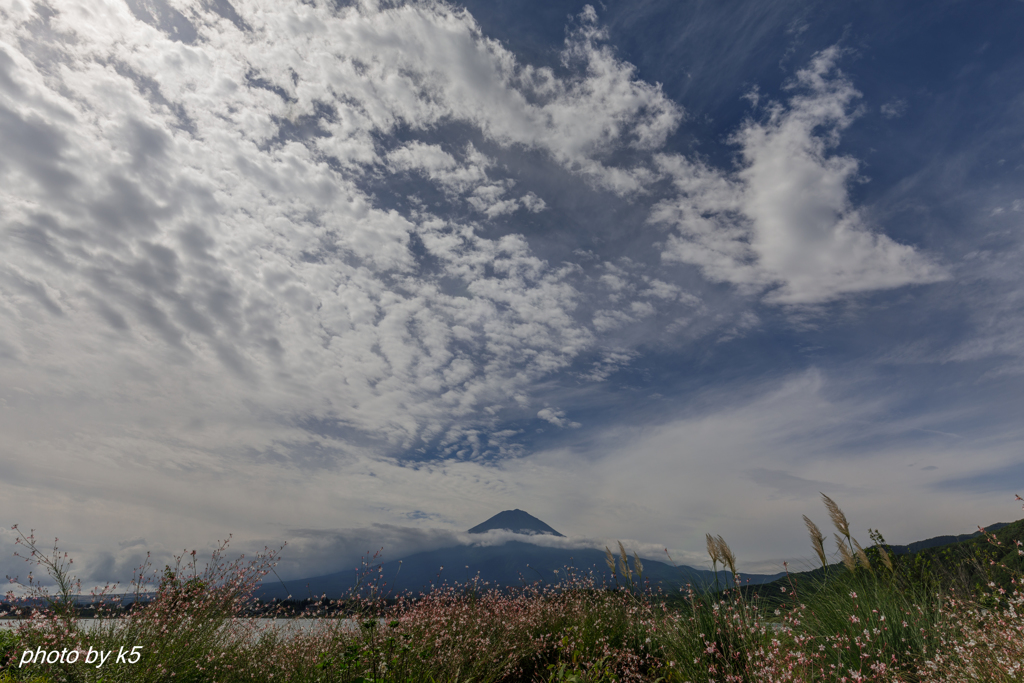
x=9, y=646
x=716, y=636
x=874, y=617
x=374, y=658
x=573, y=672
x=13, y=677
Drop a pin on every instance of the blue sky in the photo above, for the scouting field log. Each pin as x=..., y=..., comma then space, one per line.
x=364, y=274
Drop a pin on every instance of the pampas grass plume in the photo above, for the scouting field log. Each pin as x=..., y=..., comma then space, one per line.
x=844, y=551
x=838, y=518
x=716, y=556
x=817, y=540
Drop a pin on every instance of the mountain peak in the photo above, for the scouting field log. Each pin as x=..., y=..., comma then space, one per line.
x=516, y=521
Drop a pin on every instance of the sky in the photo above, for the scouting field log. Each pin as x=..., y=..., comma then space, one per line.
x=351, y=275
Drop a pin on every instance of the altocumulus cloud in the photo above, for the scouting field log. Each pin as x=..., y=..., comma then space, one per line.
x=162, y=209
x=206, y=297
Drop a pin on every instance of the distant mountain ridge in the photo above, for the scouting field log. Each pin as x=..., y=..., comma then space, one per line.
x=514, y=563
x=518, y=562
x=938, y=541
x=517, y=521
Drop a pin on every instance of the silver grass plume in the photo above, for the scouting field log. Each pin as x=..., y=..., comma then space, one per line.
x=716, y=557
x=726, y=552
x=624, y=562
x=838, y=518
x=638, y=565
x=844, y=551
x=885, y=558
x=817, y=540
x=862, y=557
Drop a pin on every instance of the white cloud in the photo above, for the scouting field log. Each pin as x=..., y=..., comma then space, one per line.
x=894, y=108
x=440, y=166
x=785, y=221
x=557, y=418
x=611, y=361
x=470, y=178
x=166, y=214
x=533, y=203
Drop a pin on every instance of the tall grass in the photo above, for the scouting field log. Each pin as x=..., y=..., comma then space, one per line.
x=868, y=618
